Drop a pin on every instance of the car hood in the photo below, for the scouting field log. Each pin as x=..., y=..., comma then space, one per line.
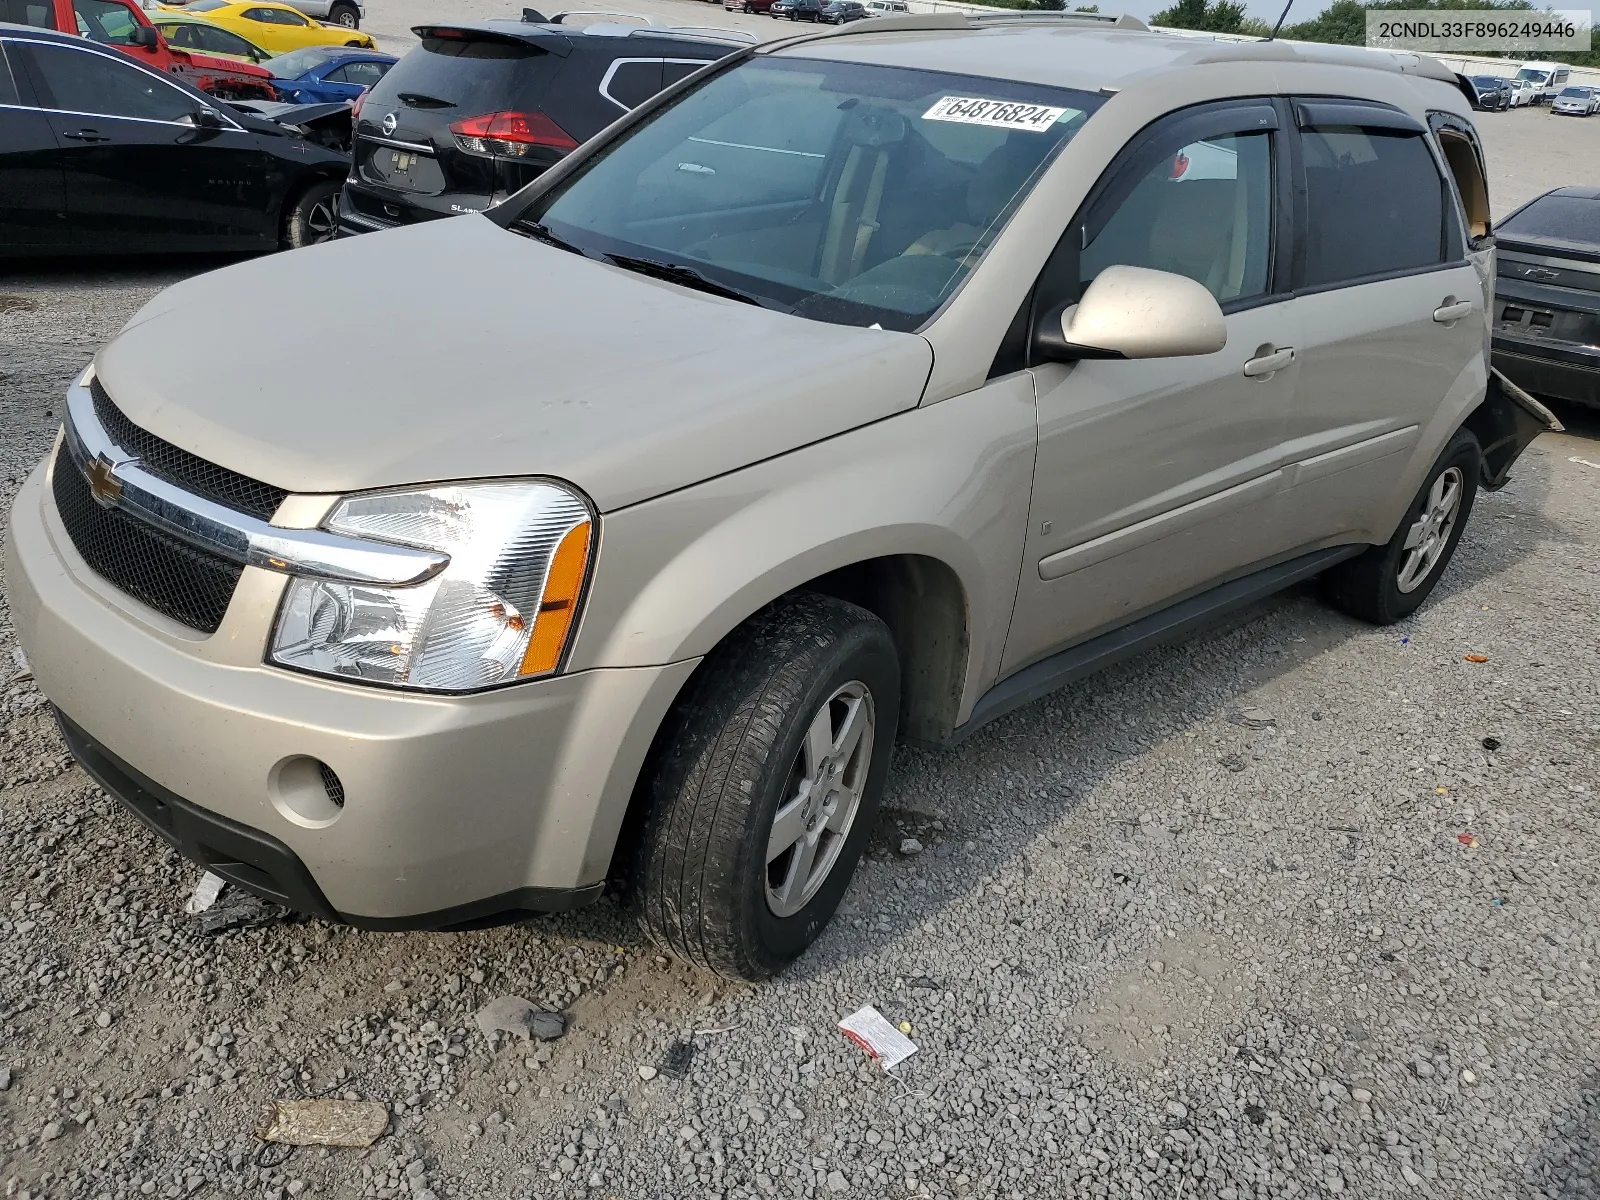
x=457, y=350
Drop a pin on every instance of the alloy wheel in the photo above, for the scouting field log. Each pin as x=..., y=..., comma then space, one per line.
x=320, y=222
x=1427, y=538
x=821, y=799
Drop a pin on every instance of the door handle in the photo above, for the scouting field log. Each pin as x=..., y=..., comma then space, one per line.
x=1452, y=312
x=1265, y=364
x=86, y=135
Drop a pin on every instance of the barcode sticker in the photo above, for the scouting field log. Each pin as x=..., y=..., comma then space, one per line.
x=998, y=114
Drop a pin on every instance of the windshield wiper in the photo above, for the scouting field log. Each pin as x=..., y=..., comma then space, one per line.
x=542, y=233
x=686, y=276
x=420, y=100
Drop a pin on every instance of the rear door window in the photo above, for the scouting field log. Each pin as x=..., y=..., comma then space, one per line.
x=1374, y=204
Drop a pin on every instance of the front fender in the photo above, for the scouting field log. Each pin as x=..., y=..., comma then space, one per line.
x=674, y=575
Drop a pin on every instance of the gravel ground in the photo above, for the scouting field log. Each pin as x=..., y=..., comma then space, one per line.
x=1206, y=926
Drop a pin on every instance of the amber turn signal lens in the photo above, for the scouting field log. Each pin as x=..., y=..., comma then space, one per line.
x=559, y=604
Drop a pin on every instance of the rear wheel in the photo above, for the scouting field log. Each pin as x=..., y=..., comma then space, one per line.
x=766, y=786
x=1391, y=581
x=313, y=215
x=346, y=15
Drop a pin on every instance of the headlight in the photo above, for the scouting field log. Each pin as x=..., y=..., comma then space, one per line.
x=502, y=609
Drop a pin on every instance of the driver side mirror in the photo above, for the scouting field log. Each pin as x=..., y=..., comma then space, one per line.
x=207, y=118
x=1134, y=312
x=144, y=36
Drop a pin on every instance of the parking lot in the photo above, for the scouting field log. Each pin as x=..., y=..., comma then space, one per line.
x=1301, y=908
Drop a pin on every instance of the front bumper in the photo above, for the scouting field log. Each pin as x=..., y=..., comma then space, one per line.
x=455, y=808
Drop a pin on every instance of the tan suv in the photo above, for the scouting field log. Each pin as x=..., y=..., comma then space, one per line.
x=863, y=385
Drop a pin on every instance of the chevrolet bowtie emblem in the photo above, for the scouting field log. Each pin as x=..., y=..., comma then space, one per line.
x=104, y=485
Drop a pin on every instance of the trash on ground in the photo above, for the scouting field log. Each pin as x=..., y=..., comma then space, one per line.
x=513, y=1014
x=324, y=1122
x=1491, y=743
x=870, y=1029
x=910, y=846
x=1480, y=658
x=24, y=671
x=238, y=909
x=1443, y=791
x=676, y=1063
x=924, y=983
x=1583, y=462
x=205, y=894
x=1469, y=840
x=1254, y=718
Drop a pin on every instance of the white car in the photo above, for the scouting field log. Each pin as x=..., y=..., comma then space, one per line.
x=1576, y=101
x=1523, y=92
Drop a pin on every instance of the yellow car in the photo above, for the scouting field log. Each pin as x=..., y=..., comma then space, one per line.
x=274, y=27
x=194, y=33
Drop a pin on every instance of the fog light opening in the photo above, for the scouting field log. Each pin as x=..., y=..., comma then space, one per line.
x=306, y=791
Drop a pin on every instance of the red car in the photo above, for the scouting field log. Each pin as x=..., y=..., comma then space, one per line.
x=122, y=24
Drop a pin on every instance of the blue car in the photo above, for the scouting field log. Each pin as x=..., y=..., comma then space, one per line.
x=326, y=74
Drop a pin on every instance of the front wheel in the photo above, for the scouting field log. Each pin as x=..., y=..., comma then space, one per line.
x=313, y=216
x=1389, y=582
x=765, y=786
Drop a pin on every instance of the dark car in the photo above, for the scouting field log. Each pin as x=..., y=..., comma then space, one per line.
x=479, y=110
x=1547, y=295
x=1494, y=93
x=327, y=74
x=797, y=10
x=842, y=12
x=101, y=154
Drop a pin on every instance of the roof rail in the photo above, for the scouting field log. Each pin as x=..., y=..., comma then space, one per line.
x=915, y=22
x=1114, y=20
x=722, y=31
x=561, y=17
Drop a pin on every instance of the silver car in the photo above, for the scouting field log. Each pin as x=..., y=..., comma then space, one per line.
x=862, y=386
x=1576, y=102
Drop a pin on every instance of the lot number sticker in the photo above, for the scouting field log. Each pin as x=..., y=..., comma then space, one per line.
x=998, y=114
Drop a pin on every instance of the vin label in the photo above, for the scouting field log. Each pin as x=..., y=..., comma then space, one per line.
x=1474, y=31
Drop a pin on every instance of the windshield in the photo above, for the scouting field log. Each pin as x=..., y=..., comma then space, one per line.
x=1533, y=76
x=842, y=192
x=298, y=62
x=1577, y=93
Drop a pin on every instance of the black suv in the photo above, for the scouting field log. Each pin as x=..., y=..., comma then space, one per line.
x=478, y=110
